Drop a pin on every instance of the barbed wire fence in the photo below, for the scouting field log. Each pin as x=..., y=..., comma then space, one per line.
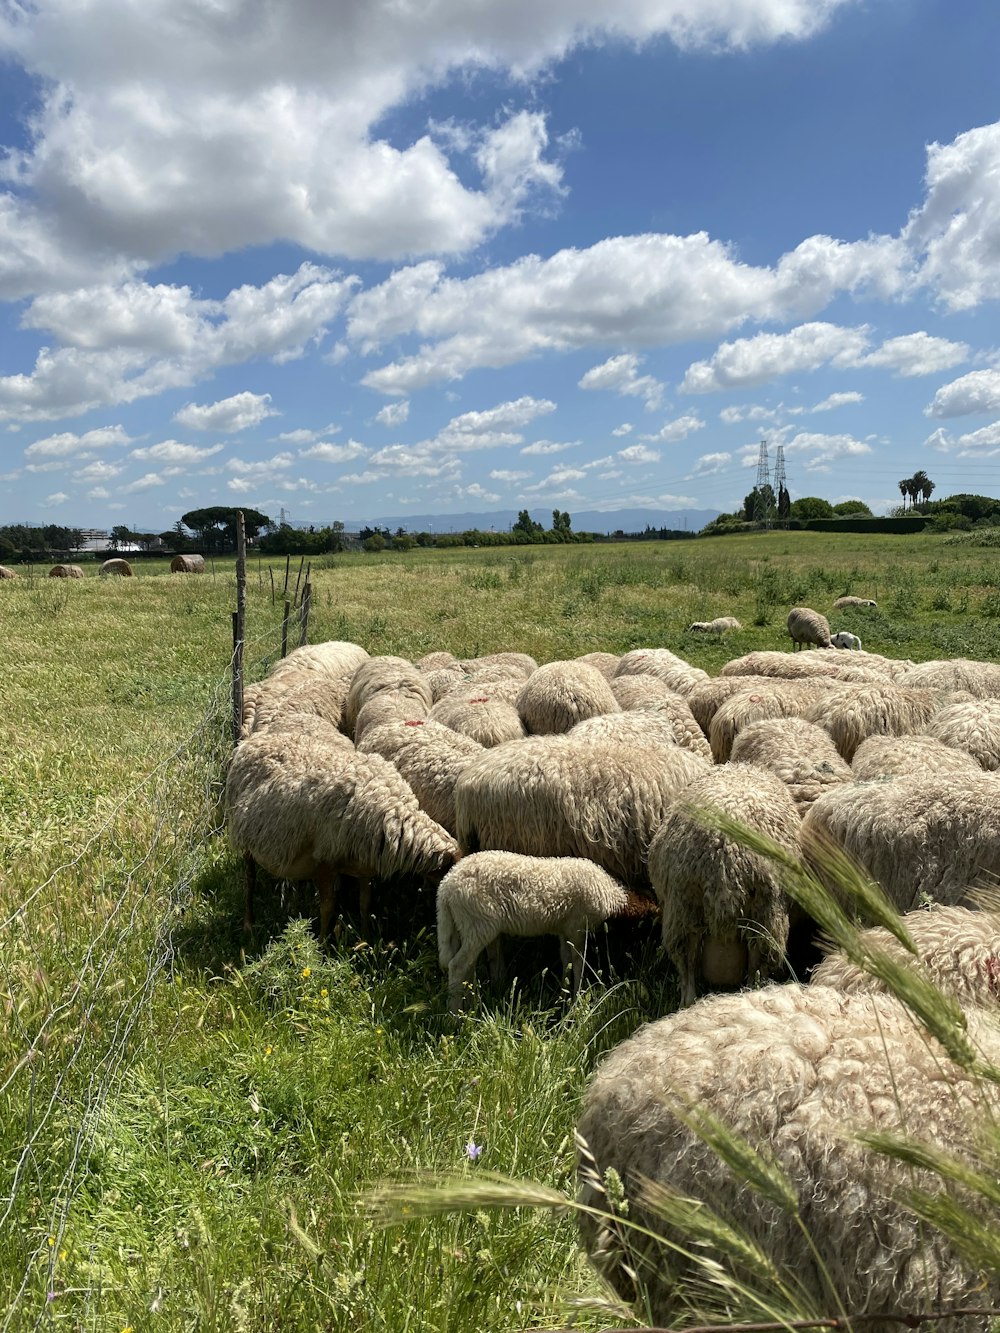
x=78, y=1001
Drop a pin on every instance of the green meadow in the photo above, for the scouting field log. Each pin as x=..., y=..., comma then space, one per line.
x=189, y=1118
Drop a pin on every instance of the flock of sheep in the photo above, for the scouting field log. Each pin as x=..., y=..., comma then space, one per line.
x=549, y=799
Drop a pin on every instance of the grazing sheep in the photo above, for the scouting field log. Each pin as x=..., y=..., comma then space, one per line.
x=490, y=894
x=675, y=673
x=649, y=697
x=558, y=796
x=958, y=950
x=431, y=758
x=481, y=714
x=335, y=657
x=443, y=680
x=306, y=809
x=933, y=836
x=901, y=756
x=187, y=564
x=312, y=693
x=389, y=706
x=645, y=729
x=65, y=572
x=725, y=916
x=799, y=1072
x=808, y=627
x=861, y=666
x=842, y=639
x=972, y=727
x=557, y=696
x=605, y=663
x=841, y=602
x=778, y=699
x=384, y=673
x=856, y=712
x=436, y=661
x=7, y=573
x=706, y=697
x=980, y=679
x=798, y=752
x=516, y=663
x=717, y=626
x=116, y=566
x=305, y=724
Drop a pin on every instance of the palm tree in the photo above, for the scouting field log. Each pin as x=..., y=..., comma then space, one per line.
x=919, y=484
x=927, y=489
x=904, y=490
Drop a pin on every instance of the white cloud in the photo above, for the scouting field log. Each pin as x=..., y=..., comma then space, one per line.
x=620, y=374
x=99, y=470
x=144, y=483
x=979, y=391
x=99, y=493
x=68, y=445
x=57, y=498
x=547, y=447
x=639, y=453
x=640, y=501
x=393, y=414
x=502, y=475
x=835, y=400
x=418, y=461
x=767, y=355
x=306, y=436
x=707, y=464
x=982, y=443
x=262, y=467
x=732, y=416
x=679, y=429
x=626, y=428
x=917, y=354
x=819, y=449
x=477, y=492
x=228, y=415
x=335, y=453
x=171, y=451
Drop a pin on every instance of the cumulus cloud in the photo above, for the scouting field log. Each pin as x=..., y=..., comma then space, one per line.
x=626, y=428
x=639, y=453
x=503, y=475
x=542, y=447
x=917, y=354
x=56, y=498
x=818, y=449
x=620, y=374
x=334, y=453
x=476, y=492
x=707, y=464
x=144, y=483
x=70, y=445
x=393, y=414
x=982, y=443
x=979, y=391
x=171, y=451
x=835, y=400
x=767, y=355
x=228, y=415
x=679, y=429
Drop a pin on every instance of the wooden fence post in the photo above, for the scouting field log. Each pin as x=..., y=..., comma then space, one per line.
x=304, y=610
x=239, y=625
x=284, y=628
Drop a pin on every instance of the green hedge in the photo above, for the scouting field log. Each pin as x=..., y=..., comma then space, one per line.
x=915, y=524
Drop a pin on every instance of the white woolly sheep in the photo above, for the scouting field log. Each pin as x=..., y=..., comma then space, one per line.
x=335, y=657
x=675, y=673
x=778, y=699
x=808, y=627
x=902, y=756
x=860, y=667
x=644, y=729
x=558, y=796
x=122, y=568
x=443, y=680
x=187, y=564
x=843, y=639
x=65, y=572
x=648, y=696
x=958, y=949
x=391, y=705
x=980, y=679
x=717, y=626
x=516, y=663
x=920, y=835
x=798, y=752
x=304, y=809
x=605, y=663
x=430, y=756
x=490, y=894
x=972, y=727
x=384, y=673
x=706, y=697
x=480, y=714
x=842, y=602
x=725, y=915
x=561, y=694
x=436, y=661
x=800, y=1072
x=311, y=692
x=856, y=712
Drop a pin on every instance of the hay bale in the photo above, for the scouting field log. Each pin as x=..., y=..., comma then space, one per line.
x=7, y=573
x=187, y=564
x=116, y=566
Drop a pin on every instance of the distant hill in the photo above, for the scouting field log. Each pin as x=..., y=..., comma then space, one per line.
x=587, y=520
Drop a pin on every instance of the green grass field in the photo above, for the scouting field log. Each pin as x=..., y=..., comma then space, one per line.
x=187, y=1125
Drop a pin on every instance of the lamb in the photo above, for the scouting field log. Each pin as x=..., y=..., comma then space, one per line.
x=443, y=680
x=972, y=727
x=707, y=696
x=798, y=752
x=725, y=916
x=856, y=712
x=436, y=661
x=902, y=756
x=496, y=893
x=120, y=567
x=808, y=627
x=717, y=626
x=842, y=639
x=958, y=949
x=926, y=835
x=842, y=602
x=431, y=758
x=556, y=796
x=799, y=1072
x=383, y=673
x=65, y=572
x=557, y=696
x=305, y=809
x=187, y=564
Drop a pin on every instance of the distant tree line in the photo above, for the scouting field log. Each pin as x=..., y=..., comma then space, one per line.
x=20, y=544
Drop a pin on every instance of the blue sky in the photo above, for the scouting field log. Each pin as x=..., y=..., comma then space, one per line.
x=360, y=257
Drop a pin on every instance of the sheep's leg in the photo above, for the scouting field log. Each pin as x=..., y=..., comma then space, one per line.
x=366, y=896
x=461, y=976
x=327, y=882
x=495, y=963
x=249, y=884
x=689, y=968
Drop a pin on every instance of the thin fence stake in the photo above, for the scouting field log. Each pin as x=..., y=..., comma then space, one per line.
x=284, y=628
x=304, y=614
x=288, y=561
x=298, y=577
x=239, y=625
x=270, y=570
